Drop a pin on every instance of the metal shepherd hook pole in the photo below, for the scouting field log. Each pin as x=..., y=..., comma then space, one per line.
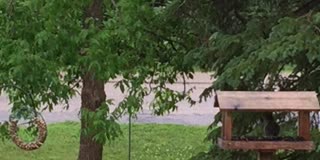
x=129, y=147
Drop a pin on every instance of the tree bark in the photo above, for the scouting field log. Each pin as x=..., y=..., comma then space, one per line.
x=92, y=96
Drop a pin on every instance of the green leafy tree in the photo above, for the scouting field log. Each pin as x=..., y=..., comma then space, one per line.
x=51, y=49
x=255, y=46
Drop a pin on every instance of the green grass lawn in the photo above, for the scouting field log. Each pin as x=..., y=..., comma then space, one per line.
x=150, y=142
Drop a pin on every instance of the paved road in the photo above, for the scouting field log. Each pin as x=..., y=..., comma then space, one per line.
x=200, y=114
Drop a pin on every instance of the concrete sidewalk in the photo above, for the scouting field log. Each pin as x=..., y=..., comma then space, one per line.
x=200, y=114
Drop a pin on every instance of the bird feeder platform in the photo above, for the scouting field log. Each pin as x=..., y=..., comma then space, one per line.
x=235, y=101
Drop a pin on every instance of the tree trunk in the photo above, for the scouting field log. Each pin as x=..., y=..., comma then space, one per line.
x=92, y=95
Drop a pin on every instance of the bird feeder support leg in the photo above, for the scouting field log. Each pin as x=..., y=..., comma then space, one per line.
x=304, y=125
x=227, y=125
x=265, y=155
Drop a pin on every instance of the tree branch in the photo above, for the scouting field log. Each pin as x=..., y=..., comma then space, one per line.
x=171, y=41
x=304, y=9
x=159, y=3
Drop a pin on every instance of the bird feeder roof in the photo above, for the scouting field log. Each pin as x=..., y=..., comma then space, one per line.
x=266, y=101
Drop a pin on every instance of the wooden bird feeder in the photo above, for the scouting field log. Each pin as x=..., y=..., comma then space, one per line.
x=234, y=101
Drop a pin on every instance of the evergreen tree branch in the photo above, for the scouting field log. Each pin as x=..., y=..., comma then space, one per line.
x=304, y=9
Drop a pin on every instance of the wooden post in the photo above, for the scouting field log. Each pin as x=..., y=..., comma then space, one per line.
x=265, y=155
x=227, y=125
x=304, y=125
